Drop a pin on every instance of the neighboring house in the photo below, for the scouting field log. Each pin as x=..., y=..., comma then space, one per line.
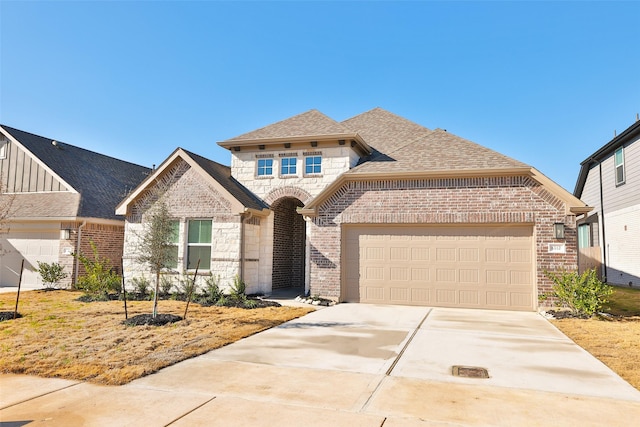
x=374, y=209
x=61, y=198
x=609, y=237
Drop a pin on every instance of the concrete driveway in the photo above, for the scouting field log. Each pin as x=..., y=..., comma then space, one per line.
x=356, y=365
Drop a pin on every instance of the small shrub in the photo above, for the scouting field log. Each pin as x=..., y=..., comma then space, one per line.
x=211, y=292
x=51, y=274
x=99, y=280
x=186, y=286
x=141, y=287
x=583, y=294
x=238, y=288
x=166, y=283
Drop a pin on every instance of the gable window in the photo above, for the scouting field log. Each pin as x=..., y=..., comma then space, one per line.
x=312, y=165
x=619, y=162
x=173, y=248
x=265, y=167
x=288, y=166
x=199, y=244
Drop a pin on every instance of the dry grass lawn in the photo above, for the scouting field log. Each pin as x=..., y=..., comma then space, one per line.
x=616, y=340
x=60, y=337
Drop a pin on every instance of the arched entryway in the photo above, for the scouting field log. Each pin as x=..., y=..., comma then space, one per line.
x=288, y=245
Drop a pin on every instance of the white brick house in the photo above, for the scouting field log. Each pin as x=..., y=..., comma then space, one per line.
x=372, y=209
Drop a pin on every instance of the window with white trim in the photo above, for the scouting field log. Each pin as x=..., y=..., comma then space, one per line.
x=288, y=166
x=313, y=165
x=619, y=164
x=265, y=167
x=199, y=244
x=172, y=262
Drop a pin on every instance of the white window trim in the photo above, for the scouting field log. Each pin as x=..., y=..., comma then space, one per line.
x=201, y=245
x=621, y=165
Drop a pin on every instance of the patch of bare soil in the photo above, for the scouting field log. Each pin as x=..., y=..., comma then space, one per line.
x=59, y=336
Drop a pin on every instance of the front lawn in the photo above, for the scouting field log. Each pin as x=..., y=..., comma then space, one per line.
x=615, y=339
x=58, y=336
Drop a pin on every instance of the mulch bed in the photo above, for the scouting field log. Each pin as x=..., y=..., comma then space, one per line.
x=148, y=319
x=8, y=315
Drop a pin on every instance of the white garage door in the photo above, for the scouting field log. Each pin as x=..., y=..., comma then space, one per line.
x=31, y=244
x=470, y=266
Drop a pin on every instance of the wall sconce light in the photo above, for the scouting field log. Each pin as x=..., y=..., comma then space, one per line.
x=341, y=142
x=236, y=148
x=260, y=147
x=65, y=234
x=558, y=230
x=314, y=143
x=287, y=145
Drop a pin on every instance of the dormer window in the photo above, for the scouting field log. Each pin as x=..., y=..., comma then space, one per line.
x=265, y=167
x=288, y=166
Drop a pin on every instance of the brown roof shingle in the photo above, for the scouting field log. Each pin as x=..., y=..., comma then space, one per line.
x=439, y=150
x=310, y=123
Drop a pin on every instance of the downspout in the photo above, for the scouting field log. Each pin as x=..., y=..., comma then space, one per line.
x=604, y=236
x=76, y=261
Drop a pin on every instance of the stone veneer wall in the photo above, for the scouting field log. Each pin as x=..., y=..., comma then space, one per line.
x=499, y=200
x=335, y=161
x=188, y=196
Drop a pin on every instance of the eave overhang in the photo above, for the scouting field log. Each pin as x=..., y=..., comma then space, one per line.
x=355, y=140
x=574, y=206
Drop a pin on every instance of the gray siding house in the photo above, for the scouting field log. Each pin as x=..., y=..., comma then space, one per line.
x=609, y=236
x=59, y=199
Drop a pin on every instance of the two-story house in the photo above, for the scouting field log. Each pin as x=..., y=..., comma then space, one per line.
x=57, y=199
x=372, y=209
x=609, y=237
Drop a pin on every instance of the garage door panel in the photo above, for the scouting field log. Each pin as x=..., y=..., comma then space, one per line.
x=466, y=266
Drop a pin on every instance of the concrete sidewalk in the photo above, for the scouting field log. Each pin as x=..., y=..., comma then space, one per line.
x=356, y=365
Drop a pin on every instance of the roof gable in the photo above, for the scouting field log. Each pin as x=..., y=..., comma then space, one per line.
x=218, y=175
x=101, y=180
x=310, y=123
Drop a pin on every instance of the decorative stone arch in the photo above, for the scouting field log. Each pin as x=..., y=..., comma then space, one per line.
x=288, y=192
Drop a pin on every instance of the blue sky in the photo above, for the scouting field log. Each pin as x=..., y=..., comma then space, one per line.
x=546, y=83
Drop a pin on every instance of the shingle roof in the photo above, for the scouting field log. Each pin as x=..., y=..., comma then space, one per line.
x=385, y=131
x=222, y=174
x=101, y=180
x=438, y=150
x=312, y=123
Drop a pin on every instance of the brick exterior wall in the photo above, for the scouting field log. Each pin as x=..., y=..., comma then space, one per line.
x=499, y=200
x=288, y=245
x=109, y=241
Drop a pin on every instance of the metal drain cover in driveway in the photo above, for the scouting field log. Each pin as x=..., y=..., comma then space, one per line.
x=469, y=372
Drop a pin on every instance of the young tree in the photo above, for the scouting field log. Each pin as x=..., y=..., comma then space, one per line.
x=155, y=244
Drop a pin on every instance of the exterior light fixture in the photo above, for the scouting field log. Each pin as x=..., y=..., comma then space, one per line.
x=314, y=143
x=558, y=230
x=341, y=142
x=260, y=147
x=287, y=145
